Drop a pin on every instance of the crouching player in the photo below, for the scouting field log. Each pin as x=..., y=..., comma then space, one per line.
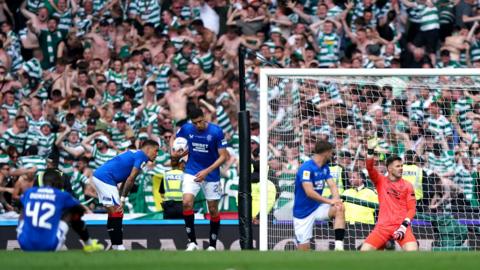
x=46, y=211
x=397, y=205
x=309, y=205
x=122, y=169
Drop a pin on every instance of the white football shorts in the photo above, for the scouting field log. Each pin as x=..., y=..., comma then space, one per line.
x=212, y=190
x=304, y=226
x=107, y=194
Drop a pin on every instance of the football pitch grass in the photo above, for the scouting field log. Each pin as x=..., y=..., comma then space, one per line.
x=238, y=260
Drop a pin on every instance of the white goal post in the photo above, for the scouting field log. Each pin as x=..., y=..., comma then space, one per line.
x=314, y=77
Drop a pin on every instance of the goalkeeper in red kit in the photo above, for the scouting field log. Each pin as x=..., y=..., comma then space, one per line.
x=397, y=205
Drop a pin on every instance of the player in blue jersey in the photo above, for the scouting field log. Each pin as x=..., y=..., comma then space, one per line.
x=46, y=210
x=309, y=204
x=206, y=153
x=120, y=170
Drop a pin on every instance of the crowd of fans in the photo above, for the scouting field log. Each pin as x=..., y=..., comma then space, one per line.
x=83, y=80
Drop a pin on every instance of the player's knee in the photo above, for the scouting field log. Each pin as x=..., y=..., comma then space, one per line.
x=213, y=210
x=114, y=212
x=410, y=246
x=338, y=211
x=110, y=210
x=187, y=205
x=367, y=247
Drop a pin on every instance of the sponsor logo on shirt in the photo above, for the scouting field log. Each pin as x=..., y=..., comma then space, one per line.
x=393, y=192
x=200, y=147
x=319, y=184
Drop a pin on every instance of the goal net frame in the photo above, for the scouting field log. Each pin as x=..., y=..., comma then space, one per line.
x=266, y=73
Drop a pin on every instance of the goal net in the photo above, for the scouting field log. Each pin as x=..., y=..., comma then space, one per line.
x=430, y=118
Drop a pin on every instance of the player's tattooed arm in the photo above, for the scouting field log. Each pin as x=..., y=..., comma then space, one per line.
x=127, y=186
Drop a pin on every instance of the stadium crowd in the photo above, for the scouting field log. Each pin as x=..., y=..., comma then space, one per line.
x=83, y=80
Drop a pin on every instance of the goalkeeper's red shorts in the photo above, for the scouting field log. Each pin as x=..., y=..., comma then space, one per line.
x=381, y=235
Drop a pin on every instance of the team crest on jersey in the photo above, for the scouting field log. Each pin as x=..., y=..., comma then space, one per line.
x=209, y=137
x=191, y=136
x=306, y=175
x=319, y=184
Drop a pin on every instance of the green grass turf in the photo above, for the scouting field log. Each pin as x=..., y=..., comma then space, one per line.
x=151, y=259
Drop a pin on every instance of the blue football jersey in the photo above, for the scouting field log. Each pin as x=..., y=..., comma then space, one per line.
x=203, y=148
x=309, y=172
x=43, y=208
x=119, y=168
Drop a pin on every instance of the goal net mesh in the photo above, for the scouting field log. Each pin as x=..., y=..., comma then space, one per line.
x=432, y=122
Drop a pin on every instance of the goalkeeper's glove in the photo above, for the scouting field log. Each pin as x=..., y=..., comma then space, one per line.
x=399, y=234
x=372, y=143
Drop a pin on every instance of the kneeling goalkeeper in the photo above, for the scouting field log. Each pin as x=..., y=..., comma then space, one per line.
x=397, y=205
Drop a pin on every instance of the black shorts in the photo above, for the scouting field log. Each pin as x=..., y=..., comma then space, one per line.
x=413, y=30
x=428, y=39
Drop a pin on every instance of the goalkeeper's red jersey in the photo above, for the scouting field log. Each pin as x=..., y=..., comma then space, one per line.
x=396, y=199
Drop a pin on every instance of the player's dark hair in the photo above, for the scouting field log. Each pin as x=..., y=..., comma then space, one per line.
x=322, y=146
x=150, y=143
x=53, y=178
x=391, y=159
x=195, y=112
